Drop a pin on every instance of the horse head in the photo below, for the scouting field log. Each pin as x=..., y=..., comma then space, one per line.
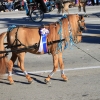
x=82, y=23
x=81, y=27
x=78, y=25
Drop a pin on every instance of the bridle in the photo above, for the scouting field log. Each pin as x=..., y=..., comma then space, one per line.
x=80, y=29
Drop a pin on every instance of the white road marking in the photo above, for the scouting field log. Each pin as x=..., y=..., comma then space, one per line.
x=92, y=35
x=69, y=69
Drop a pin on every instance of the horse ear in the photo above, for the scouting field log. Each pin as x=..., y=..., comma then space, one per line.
x=77, y=16
x=81, y=17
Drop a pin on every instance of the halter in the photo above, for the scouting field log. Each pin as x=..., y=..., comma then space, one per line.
x=80, y=29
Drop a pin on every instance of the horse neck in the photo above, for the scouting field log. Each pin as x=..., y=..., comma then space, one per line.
x=65, y=27
x=73, y=24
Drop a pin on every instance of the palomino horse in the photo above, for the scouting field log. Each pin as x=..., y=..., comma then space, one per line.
x=64, y=5
x=20, y=37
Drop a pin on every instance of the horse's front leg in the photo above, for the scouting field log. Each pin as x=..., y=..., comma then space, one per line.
x=55, y=64
x=84, y=9
x=61, y=65
x=21, y=57
x=10, y=66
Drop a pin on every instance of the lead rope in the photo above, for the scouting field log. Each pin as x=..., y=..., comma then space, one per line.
x=87, y=53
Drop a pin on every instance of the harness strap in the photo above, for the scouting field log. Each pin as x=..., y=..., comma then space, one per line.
x=35, y=46
x=15, y=41
x=4, y=56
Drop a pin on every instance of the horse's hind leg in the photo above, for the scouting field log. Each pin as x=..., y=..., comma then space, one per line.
x=55, y=64
x=65, y=8
x=61, y=64
x=21, y=57
x=10, y=66
x=79, y=8
x=84, y=8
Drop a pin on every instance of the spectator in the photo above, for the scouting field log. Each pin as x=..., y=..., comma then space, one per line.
x=26, y=7
x=95, y=2
x=9, y=5
x=22, y=4
x=2, y=8
x=16, y=5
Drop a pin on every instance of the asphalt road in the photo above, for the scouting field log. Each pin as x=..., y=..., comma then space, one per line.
x=82, y=64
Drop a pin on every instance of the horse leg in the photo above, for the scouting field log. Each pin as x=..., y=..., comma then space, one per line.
x=63, y=11
x=10, y=66
x=67, y=11
x=84, y=9
x=66, y=6
x=21, y=57
x=61, y=65
x=79, y=8
x=55, y=63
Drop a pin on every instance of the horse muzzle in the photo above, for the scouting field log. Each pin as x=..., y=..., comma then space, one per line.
x=82, y=28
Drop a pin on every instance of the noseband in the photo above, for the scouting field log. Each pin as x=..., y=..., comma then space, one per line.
x=81, y=28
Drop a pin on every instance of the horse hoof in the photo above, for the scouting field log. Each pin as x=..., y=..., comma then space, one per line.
x=86, y=15
x=65, y=78
x=30, y=81
x=46, y=81
x=11, y=83
x=10, y=80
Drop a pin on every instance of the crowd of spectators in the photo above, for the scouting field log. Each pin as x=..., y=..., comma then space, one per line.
x=13, y=5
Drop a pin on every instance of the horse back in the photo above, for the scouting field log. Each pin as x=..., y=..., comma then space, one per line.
x=23, y=35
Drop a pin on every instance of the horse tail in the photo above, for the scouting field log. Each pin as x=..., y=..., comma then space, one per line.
x=3, y=58
x=59, y=5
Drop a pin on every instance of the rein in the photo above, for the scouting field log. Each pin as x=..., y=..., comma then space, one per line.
x=87, y=53
x=35, y=46
x=15, y=41
x=3, y=56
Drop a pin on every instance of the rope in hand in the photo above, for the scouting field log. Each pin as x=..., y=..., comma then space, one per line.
x=87, y=53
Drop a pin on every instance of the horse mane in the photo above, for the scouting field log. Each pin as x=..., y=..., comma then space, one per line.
x=62, y=27
x=52, y=36
x=73, y=21
x=65, y=28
